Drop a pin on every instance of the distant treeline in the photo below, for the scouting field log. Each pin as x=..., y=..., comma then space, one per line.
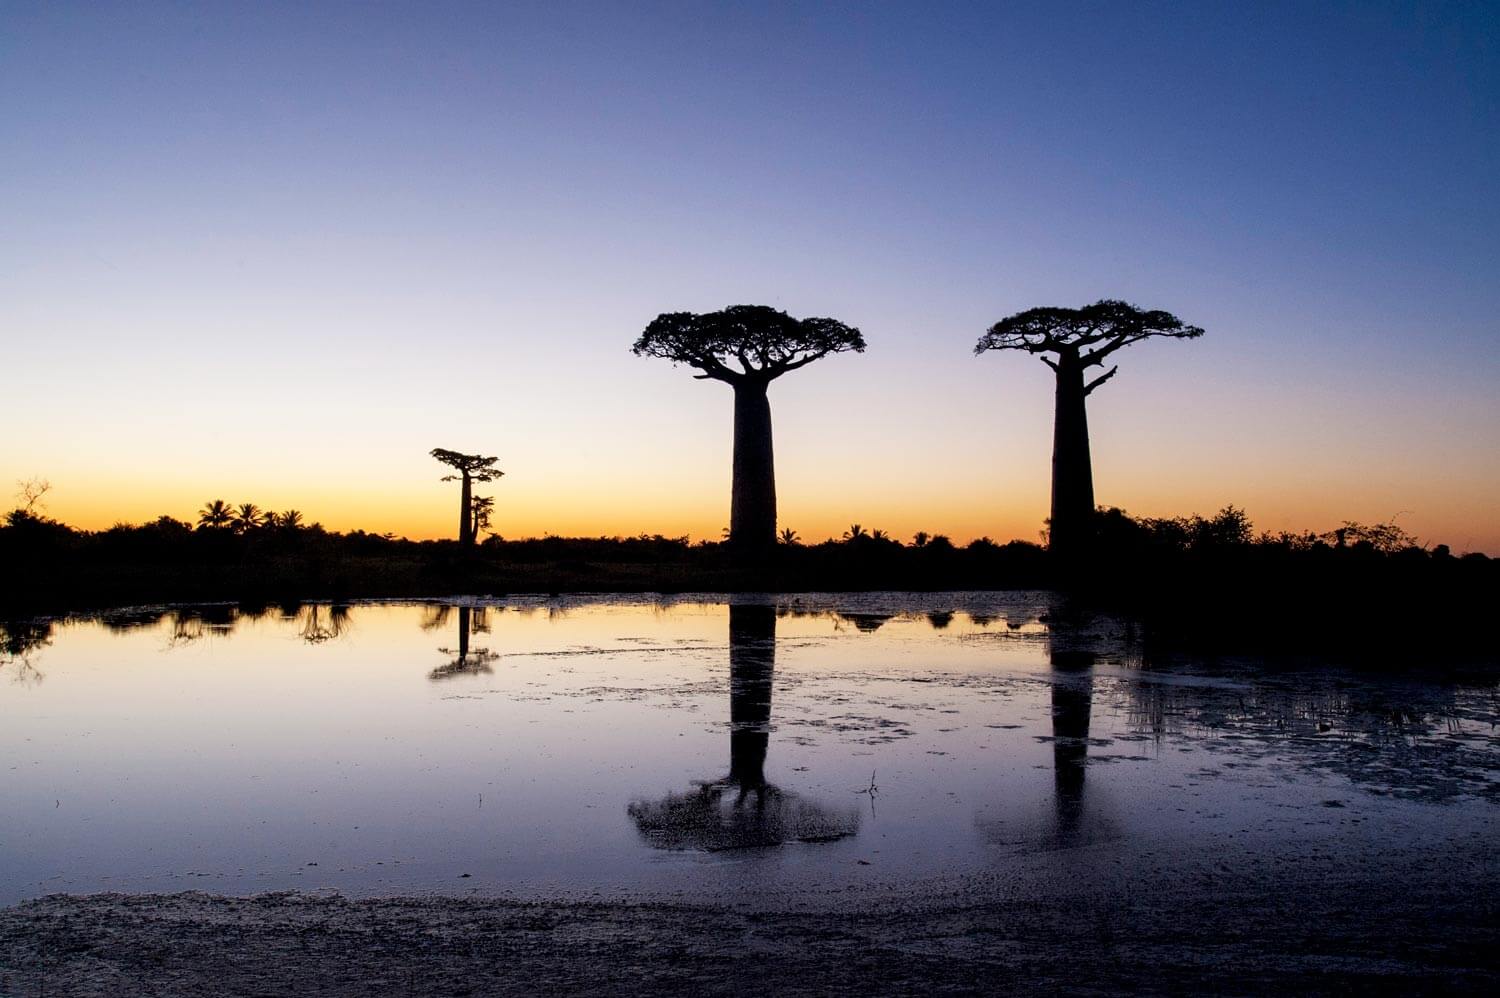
x=1211, y=580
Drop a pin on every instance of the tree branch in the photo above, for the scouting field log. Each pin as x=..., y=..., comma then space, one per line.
x=792, y=365
x=1089, y=388
x=1097, y=356
x=711, y=368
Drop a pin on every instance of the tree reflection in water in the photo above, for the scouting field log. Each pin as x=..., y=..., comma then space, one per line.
x=466, y=661
x=319, y=626
x=1075, y=817
x=742, y=810
x=20, y=640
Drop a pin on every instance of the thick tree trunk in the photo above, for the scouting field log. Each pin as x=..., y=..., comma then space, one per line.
x=465, y=512
x=1072, y=470
x=752, y=661
x=752, y=508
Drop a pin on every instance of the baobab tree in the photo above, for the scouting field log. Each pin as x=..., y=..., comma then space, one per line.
x=470, y=468
x=747, y=347
x=1072, y=341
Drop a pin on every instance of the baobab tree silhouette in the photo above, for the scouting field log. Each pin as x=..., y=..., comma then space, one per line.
x=1071, y=341
x=471, y=468
x=765, y=344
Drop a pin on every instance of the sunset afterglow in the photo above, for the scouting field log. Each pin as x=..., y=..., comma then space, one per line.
x=277, y=253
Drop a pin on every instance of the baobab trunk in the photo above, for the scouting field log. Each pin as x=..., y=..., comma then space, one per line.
x=752, y=506
x=465, y=512
x=1072, y=470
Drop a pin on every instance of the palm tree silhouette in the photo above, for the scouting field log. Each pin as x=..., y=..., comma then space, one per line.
x=247, y=518
x=216, y=515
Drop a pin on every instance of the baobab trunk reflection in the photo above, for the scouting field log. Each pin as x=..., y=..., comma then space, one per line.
x=1072, y=704
x=742, y=810
x=752, y=662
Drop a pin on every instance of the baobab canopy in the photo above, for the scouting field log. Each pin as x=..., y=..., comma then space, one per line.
x=1088, y=334
x=745, y=342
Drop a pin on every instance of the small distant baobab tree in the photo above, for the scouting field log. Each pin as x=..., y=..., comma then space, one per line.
x=1072, y=341
x=469, y=468
x=747, y=347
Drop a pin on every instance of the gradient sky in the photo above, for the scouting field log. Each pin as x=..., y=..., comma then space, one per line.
x=277, y=252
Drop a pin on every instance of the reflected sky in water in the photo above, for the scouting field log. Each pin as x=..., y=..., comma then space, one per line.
x=687, y=747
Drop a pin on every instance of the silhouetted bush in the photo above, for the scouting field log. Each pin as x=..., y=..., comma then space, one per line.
x=1195, y=579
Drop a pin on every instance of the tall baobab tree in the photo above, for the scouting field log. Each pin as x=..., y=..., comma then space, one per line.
x=1072, y=341
x=747, y=347
x=470, y=468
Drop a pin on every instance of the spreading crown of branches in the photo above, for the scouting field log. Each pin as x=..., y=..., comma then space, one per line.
x=764, y=342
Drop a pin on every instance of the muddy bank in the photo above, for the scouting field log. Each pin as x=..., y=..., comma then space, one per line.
x=1418, y=922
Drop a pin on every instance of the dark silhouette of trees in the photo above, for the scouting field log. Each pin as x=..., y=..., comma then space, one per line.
x=470, y=468
x=747, y=347
x=30, y=493
x=484, y=507
x=247, y=518
x=216, y=515
x=1072, y=341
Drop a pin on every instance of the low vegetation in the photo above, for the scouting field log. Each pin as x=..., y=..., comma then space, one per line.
x=1212, y=580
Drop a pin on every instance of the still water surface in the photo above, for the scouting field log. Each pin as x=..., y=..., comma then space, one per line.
x=694, y=746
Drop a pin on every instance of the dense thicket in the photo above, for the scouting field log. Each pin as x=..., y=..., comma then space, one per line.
x=1209, y=580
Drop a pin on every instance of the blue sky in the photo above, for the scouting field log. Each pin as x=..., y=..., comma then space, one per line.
x=280, y=251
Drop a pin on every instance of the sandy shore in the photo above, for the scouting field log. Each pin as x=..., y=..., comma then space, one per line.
x=1422, y=921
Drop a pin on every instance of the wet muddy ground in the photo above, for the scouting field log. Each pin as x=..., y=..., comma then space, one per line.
x=957, y=791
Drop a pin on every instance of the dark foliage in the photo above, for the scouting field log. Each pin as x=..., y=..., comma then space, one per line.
x=1206, y=581
x=764, y=342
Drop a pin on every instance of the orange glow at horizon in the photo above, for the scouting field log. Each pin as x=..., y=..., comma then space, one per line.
x=702, y=514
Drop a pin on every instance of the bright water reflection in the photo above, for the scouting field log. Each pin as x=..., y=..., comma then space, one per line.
x=689, y=746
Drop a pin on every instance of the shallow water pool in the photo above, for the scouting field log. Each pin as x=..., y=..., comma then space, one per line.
x=694, y=746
